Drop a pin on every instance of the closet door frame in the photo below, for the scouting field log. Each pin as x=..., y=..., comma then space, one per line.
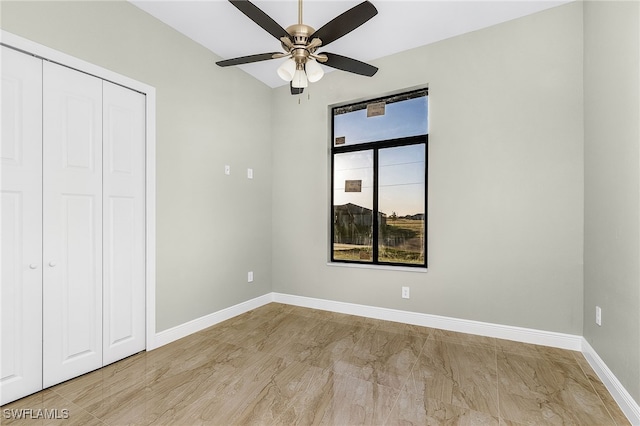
x=19, y=43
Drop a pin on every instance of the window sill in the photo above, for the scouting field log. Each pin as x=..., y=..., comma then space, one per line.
x=378, y=267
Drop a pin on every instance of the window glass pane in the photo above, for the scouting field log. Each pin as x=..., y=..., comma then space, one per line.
x=353, y=206
x=401, y=183
x=401, y=119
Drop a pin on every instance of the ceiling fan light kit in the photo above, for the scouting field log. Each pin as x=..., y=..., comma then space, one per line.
x=299, y=79
x=287, y=70
x=314, y=70
x=300, y=42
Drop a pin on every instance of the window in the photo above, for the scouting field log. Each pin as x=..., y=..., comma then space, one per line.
x=379, y=181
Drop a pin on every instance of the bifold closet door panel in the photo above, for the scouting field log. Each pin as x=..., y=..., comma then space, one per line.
x=72, y=223
x=21, y=231
x=124, y=222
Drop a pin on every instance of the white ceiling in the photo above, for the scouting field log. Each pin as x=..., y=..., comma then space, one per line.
x=399, y=25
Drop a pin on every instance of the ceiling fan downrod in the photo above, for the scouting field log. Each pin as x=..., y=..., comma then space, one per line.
x=301, y=47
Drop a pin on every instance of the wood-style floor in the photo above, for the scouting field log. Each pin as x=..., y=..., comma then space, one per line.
x=285, y=365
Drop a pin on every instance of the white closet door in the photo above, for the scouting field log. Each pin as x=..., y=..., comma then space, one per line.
x=21, y=204
x=124, y=222
x=72, y=223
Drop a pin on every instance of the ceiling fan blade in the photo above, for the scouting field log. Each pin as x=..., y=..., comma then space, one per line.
x=295, y=90
x=345, y=23
x=254, y=13
x=348, y=64
x=247, y=59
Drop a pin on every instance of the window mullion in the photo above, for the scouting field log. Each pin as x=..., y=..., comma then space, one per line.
x=375, y=207
x=332, y=214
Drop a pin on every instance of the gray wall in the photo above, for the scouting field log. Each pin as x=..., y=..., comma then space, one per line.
x=510, y=177
x=612, y=186
x=505, y=179
x=211, y=228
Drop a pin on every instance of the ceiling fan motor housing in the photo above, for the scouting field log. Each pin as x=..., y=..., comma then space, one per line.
x=300, y=34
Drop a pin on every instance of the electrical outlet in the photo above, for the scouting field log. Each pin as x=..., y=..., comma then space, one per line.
x=598, y=315
x=250, y=276
x=405, y=292
x=227, y=170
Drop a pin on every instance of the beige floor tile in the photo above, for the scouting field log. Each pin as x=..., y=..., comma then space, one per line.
x=464, y=376
x=382, y=357
x=207, y=355
x=323, y=345
x=320, y=315
x=608, y=401
x=334, y=399
x=285, y=365
x=463, y=338
x=540, y=391
x=261, y=332
x=95, y=386
x=259, y=387
x=46, y=408
x=545, y=352
x=398, y=327
x=317, y=314
x=276, y=395
x=413, y=409
x=505, y=422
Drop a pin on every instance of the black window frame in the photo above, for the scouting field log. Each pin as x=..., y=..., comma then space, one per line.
x=376, y=146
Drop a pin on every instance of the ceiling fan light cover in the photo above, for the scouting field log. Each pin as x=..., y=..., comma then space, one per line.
x=314, y=71
x=287, y=70
x=300, y=79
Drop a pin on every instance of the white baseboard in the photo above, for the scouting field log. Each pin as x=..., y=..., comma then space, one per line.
x=178, y=332
x=629, y=407
x=518, y=334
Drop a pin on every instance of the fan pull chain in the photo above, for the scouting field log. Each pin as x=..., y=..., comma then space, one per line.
x=300, y=97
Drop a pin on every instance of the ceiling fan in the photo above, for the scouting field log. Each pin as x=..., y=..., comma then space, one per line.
x=300, y=43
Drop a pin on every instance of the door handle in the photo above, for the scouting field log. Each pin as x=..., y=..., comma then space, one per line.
x=33, y=266
x=52, y=263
